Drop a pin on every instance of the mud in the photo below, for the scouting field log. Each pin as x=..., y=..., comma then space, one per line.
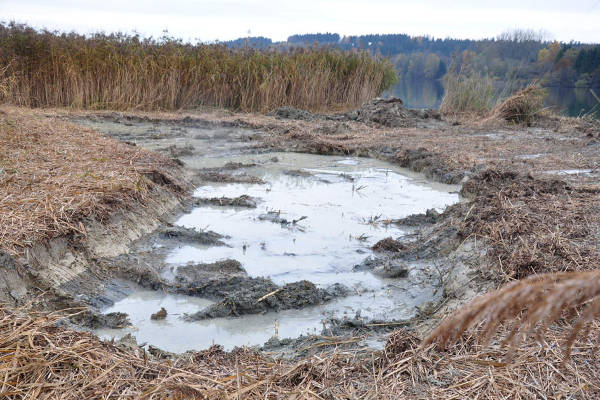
x=388, y=112
x=429, y=261
x=240, y=201
x=258, y=296
x=212, y=176
x=431, y=216
x=188, y=235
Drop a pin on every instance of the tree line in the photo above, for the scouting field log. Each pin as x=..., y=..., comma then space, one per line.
x=518, y=56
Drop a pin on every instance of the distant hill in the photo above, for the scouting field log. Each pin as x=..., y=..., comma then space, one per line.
x=519, y=57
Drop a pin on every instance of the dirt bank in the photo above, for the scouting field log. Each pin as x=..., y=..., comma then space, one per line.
x=69, y=196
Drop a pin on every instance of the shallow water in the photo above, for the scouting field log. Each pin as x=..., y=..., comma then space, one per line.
x=347, y=202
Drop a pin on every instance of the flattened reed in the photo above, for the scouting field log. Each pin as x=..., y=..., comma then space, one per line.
x=532, y=225
x=53, y=174
x=45, y=361
x=117, y=71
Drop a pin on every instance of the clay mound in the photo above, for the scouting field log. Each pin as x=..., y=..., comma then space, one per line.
x=392, y=113
x=389, y=112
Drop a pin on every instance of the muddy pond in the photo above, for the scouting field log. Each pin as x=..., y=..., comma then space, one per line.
x=296, y=218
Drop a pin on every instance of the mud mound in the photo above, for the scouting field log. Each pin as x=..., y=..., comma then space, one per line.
x=391, y=113
x=263, y=295
x=241, y=201
x=388, y=244
x=431, y=216
x=384, y=267
x=198, y=276
x=213, y=176
x=209, y=238
x=430, y=163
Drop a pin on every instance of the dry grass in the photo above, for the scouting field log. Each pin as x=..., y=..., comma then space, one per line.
x=45, y=69
x=523, y=106
x=44, y=361
x=532, y=226
x=467, y=95
x=534, y=303
x=55, y=174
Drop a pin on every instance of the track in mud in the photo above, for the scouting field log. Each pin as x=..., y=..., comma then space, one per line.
x=289, y=219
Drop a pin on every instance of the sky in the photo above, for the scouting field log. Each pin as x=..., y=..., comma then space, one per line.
x=208, y=21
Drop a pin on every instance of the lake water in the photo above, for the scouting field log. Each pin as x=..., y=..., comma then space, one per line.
x=572, y=102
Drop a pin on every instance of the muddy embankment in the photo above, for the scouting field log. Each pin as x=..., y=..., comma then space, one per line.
x=451, y=256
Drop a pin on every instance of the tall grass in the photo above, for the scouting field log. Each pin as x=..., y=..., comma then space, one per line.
x=117, y=71
x=468, y=94
x=474, y=95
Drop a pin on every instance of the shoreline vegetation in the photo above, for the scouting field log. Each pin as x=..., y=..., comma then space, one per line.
x=123, y=72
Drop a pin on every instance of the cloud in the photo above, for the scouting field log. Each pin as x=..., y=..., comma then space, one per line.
x=229, y=19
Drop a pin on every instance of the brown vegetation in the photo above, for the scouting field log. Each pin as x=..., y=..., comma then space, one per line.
x=523, y=106
x=45, y=69
x=532, y=225
x=45, y=361
x=54, y=174
x=534, y=303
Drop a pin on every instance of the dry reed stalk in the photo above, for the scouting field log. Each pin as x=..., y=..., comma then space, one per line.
x=56, y=174
x=532, y=226
x=125, y=72
x=532, y=303
x=523, y=106
x=42, y=360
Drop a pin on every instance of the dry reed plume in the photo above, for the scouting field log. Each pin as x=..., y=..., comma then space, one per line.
x=532, y=303
x=54, y=174
x=45, y=69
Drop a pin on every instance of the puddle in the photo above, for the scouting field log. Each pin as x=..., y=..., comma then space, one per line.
x=570, y=172
x=346, y=201
x=344, y=205
x=176, y=335
x=529, y=156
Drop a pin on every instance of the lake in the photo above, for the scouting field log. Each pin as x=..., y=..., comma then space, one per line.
x=572, y=102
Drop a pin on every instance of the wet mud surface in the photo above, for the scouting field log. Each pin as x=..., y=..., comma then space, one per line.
x=252, y=259
x=272, y=244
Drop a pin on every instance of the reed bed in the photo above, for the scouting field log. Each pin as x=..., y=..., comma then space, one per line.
x=55, y=174
x=471, y=95
x=47, y=69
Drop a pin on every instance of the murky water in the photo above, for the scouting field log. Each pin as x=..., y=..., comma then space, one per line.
x=344, y=205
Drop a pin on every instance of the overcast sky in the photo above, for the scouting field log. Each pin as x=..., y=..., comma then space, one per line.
x=223, y=20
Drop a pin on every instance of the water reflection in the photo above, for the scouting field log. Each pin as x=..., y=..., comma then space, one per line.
x=420, y=94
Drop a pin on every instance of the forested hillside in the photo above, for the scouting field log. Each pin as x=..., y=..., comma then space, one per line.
x=519, y=57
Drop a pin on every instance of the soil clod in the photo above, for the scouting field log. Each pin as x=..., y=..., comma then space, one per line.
x=159, y=315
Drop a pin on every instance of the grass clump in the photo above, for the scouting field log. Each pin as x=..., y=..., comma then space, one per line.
x=523, y=106
x=475, y=95
x=468, y=94
x=117, y=71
